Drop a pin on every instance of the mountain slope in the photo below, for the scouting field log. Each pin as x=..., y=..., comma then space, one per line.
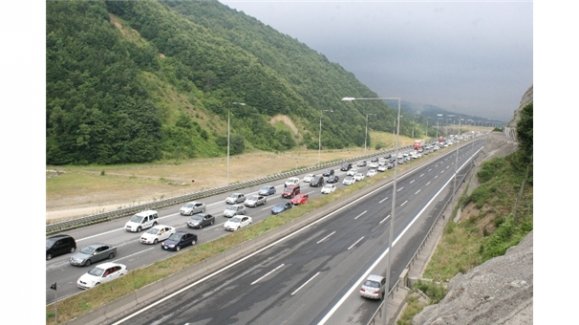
x=137, y=81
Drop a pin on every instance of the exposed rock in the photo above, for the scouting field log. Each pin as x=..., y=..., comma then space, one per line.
x=500, y=291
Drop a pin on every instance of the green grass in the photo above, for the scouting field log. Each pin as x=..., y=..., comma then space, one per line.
x=488, y=230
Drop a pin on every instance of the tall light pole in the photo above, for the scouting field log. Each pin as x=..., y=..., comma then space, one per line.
x=393, y=214
x=229, y=133
x=320, y=134
x=366, y=137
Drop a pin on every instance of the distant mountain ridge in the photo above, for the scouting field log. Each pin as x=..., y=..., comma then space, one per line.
x=434, y=113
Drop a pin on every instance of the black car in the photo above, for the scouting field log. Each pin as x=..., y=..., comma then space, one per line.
x=328, y=173
x=346, y=166
x=200, y=220
x=317, y=181
x=332, y=179
x=179, y=240
x=58, y=245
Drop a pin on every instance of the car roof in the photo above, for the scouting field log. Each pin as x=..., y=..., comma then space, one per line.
x=109, y=264
x=374, y=277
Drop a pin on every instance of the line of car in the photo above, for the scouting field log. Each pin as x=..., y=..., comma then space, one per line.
x=175, y=240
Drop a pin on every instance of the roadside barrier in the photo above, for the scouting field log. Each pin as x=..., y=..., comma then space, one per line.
x=124, y=212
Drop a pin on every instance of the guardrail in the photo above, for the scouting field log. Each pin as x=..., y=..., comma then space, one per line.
x=375, y=319
x=120, y=213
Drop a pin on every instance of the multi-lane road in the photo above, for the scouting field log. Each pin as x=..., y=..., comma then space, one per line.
x=308, y=278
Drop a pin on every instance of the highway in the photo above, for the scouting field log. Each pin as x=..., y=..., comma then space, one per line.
x=312, y=277
x=136, y=255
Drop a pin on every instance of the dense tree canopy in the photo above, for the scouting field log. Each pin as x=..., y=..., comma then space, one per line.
x=137, y=81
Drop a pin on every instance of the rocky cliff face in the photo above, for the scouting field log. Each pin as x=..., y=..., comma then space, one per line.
x=525, y=100
x=500, y=291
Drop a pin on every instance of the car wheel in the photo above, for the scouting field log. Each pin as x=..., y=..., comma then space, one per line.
x=111, y=256
x=72, y=249
x=193, y=242
x=155, y=241
x=154, y=223
x=178, y=248
x=213, y=221
x=48, y=256
x=139, y=229
x=87, y=263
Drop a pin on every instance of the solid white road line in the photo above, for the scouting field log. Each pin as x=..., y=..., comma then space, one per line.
x=305, y=283
x=328, y=236
x=268, y=273
x=361, y=214
x=384, y=199
x=354, y=244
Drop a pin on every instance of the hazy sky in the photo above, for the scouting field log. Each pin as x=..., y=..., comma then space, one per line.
x=472, y=57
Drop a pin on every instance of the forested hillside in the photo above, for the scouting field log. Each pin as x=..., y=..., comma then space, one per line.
x=138, y=81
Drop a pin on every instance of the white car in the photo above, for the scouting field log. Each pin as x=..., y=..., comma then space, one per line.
x=234, y=210
x=382, y=168
x=191, y=208
x=235, y=198
x=371, y=172
x=142, y=220
x=157, y=234
x=237, y=222
x=352, y=172
x=291, y=181
x=101, y=273
x=358, y=177
x=308, y=178
x=328, y=188
x=349, y=180
x=373, y=164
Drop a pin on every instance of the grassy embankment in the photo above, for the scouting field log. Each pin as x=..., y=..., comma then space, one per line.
x=86, y=301
x=488, y=227
x=97, y=188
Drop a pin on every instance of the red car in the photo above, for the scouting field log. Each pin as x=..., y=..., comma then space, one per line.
x=290, y=191
x=300, y=199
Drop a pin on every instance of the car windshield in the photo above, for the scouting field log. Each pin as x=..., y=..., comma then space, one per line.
x=88, y=250
x=236, y=219
x=96, y=271
x=153, y=231
x=254, y=198
x=136, y=219
x=189, y=205
x=265, y=188
x=371, y=284
x=175, y=237
x=197, y=217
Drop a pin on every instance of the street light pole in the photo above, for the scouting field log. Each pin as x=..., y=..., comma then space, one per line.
x=320, y=134
x=394, y=183
x=229, y=133
x=366, y=137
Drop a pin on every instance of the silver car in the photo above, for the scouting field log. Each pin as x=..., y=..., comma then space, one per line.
x=93, y=253
x=374, y=287
x=192, y=208
x=234, y=210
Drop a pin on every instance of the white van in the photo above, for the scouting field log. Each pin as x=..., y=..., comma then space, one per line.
x=142, y=220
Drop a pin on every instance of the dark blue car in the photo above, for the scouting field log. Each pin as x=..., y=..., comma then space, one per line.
x=267, y=190
x=281, y=207
x=179, y=240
